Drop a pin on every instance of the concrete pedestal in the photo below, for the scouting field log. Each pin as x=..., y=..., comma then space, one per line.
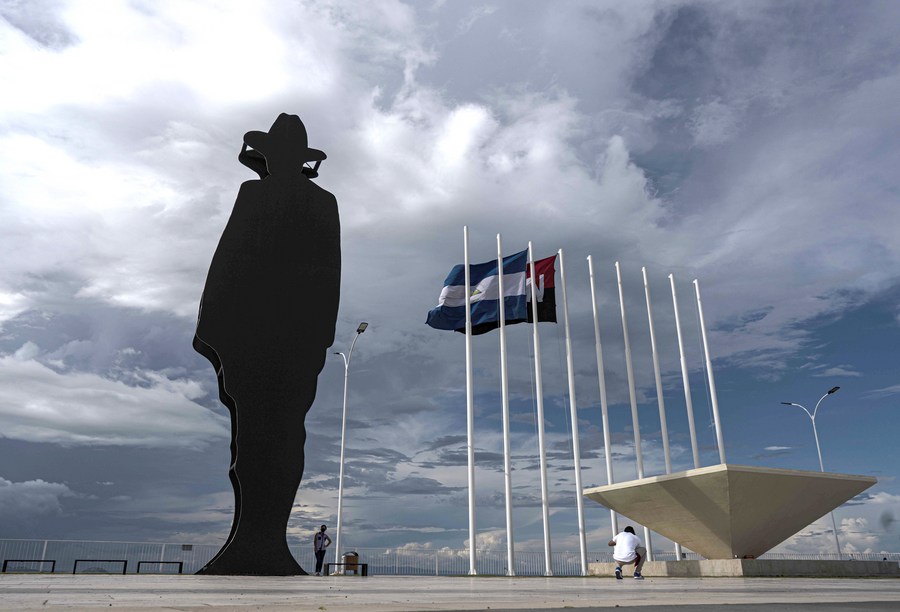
x=730, y=511
x=736, y=568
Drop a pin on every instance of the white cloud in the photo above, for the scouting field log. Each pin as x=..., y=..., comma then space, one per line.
x=474, y=16
x=120, y=51
x=488, y=540
x=118, y=171
x=866, y=526
x=841, y=370
x=857, y=537
x=885, y=498
x=20, y=500
x=714, y=123
x=883, y=392
x=11, y=305
x=39, y=404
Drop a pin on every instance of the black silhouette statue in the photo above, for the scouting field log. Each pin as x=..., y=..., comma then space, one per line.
x=267, y=316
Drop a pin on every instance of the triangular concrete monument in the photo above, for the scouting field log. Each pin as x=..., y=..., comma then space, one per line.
x=730, y=511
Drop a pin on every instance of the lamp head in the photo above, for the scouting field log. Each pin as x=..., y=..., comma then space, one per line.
x=362, y=327
x=830, y=391
x=788, y=403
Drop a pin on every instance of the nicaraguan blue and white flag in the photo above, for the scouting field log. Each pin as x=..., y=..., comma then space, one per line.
x=450, y=313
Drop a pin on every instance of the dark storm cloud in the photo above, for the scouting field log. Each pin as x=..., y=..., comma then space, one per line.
x=370, y=468
x=95, y=343
x=459, y=457
x=562, y=450
x=380, y=456
x=719, y=141
x=114, y=490
x=443, y=441
x=525, y=500
x=417, y=486
x=93, y=338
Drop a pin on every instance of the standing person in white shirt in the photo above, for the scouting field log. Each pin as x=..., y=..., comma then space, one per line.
x=320, y=542
x=628, y=550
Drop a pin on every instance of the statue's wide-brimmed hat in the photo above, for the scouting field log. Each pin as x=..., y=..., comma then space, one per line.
x=286, y=138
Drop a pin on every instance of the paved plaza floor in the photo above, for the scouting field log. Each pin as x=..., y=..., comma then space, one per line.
x=406, y=593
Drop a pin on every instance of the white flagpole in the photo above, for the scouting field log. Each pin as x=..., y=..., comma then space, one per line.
x=685, y=379
x=629, y=370
x=470, y=407
x=604, y=406
x=632, y=395
x=709, y=373
x=539, y=392
x=660, y=400
x=576, y=446
x=504, y=386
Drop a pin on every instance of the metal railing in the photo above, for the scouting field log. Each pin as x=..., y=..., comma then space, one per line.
x=34, y=556
x=65, y=552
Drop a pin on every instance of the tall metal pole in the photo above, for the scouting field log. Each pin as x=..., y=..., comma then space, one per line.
x=604, y=406
x=660, y=400
x=539, y=393
x=470, y=408
x=685, y=379
x=573, y=411
x=720, y=442
x=629, y=370
x=632, y=396
x=812, y=418
x=504, y=386
x=340, y=511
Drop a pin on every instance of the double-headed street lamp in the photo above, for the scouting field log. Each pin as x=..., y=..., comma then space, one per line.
x=812, y=417
x=337, y=540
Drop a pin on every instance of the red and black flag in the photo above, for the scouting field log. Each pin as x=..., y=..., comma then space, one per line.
x=546, y=289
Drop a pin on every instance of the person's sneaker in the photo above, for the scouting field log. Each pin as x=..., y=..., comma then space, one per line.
x=637, y=576
x=318, y=574
x=618, y=573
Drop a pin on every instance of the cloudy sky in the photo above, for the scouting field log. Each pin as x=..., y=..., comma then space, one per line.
x=749, y=145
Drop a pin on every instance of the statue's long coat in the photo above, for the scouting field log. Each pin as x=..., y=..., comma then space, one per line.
x=267, y=316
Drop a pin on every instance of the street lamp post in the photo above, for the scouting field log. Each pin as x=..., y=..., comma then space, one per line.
x=812, y=418
x=337, y=539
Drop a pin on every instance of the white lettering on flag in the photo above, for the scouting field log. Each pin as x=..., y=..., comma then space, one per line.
x=540, y=289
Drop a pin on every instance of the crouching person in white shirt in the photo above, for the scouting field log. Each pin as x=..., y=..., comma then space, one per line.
x=628, y=550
